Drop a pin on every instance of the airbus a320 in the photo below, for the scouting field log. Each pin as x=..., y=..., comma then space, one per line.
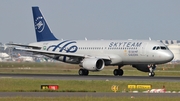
x=94, y=55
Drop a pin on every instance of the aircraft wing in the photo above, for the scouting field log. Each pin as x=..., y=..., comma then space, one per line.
x=27, y=46
x=62, y=54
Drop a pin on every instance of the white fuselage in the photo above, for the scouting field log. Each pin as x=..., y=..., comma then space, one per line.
x=119, y=51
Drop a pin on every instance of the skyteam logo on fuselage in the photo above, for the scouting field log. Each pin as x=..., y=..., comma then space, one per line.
x=64, y=46
x=125, y=44
x=39, y=24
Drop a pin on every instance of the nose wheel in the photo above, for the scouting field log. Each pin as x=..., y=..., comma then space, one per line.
x=151, y=74
x=117, y=72
x=152, y=68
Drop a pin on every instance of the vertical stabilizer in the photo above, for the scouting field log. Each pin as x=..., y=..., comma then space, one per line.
x=43, y=33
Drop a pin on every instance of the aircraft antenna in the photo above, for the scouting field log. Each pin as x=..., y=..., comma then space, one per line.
x=149, y=38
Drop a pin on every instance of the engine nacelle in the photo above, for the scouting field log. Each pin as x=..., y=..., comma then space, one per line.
x=92, y=64
x=142, y=67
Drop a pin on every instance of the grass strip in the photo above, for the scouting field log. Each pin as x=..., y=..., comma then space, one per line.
x=25, y=85
x=130, y=98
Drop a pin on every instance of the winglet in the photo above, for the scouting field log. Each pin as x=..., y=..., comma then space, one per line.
x=43, y=33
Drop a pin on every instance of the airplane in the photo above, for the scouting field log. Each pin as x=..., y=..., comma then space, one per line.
x=94, y=55
x=4, y=55
x=25, y=58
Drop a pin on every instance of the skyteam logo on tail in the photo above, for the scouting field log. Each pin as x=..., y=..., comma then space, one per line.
x=39, y=24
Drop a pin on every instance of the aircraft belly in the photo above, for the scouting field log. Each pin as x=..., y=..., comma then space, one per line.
x=137, y=60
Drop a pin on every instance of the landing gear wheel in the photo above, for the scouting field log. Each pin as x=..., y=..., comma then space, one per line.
x=86, y=72
x=121, y=72
x=117, y=72
x=151, y=74
x=152, y=68
x=83, y=72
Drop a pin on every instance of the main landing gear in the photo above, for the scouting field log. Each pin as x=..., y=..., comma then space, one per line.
x=83, y=72
x=151, y=67
x=118, y=72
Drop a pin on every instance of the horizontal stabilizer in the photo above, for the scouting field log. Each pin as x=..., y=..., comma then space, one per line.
x=26, y=46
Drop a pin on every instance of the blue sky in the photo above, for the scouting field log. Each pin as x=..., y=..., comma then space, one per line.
x=93, y=19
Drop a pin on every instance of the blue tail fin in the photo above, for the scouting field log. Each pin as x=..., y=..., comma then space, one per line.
x=43, y=32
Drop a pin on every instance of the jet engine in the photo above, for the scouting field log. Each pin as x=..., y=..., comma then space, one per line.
x=92, y=64
x=141, y=67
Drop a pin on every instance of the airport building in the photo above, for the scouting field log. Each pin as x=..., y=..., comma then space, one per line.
x=168, y=42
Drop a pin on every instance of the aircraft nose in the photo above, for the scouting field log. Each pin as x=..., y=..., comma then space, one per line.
x=169, y=56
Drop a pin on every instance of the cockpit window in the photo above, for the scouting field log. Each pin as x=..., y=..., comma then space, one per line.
x=157, y=48
x=154, y=47
x=160, y=48
x=163, y=48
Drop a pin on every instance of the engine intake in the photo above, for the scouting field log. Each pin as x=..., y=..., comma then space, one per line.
x=92, y=64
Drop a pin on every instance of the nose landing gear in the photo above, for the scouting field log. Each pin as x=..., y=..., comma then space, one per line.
x=152, y=68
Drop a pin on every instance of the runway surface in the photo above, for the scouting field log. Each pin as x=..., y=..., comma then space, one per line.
x=90, y=77
x=83, y=94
